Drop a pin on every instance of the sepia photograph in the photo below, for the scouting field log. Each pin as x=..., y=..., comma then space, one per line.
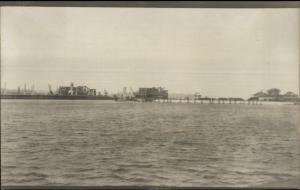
x=179, y=97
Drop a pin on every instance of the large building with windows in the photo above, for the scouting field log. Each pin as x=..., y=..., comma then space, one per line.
x=76, y=91
x=152, y=93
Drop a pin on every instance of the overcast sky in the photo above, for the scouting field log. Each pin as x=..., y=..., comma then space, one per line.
x=216, y=52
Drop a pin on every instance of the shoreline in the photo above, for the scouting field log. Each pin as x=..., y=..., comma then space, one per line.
x=163, y=101
x=155, y=101
x=53, y=97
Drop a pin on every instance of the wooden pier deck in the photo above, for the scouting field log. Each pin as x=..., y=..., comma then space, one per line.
x=207, y=101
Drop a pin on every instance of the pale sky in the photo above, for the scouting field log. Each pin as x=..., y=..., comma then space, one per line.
x=216, y=52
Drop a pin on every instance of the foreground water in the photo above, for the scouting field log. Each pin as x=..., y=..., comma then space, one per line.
x=65, y=142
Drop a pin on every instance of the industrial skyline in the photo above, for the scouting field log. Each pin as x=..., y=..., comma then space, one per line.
x=184, y=50
x=150, y=96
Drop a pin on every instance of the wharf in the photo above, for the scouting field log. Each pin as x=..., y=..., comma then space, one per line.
x=207, y=101
x=55, y=97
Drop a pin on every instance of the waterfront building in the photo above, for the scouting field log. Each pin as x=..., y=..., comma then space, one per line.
x=273, y=94
x=152, y=93
x=92, y=92
x=76, y=91
x=262, y=96
x=289, y=96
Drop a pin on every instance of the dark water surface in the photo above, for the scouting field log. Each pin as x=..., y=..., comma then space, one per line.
x=65, y=142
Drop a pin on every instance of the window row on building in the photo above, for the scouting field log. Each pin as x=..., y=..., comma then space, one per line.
x=76, y=91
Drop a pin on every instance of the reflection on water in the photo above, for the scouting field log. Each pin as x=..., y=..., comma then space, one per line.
x=64, y=142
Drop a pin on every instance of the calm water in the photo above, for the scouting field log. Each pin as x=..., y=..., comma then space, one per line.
x=58, y=142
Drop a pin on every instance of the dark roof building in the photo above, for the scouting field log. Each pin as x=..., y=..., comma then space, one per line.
x=273, y=92
x=260, y=94
x=152, y=93
x=76, y=91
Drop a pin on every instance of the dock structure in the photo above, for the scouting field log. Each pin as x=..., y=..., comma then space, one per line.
x=209, y=101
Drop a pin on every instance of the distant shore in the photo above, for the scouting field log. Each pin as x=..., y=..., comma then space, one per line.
x=171, y=100
x=54, y=97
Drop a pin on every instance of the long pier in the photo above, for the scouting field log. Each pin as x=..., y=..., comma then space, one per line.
x=207, y=101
